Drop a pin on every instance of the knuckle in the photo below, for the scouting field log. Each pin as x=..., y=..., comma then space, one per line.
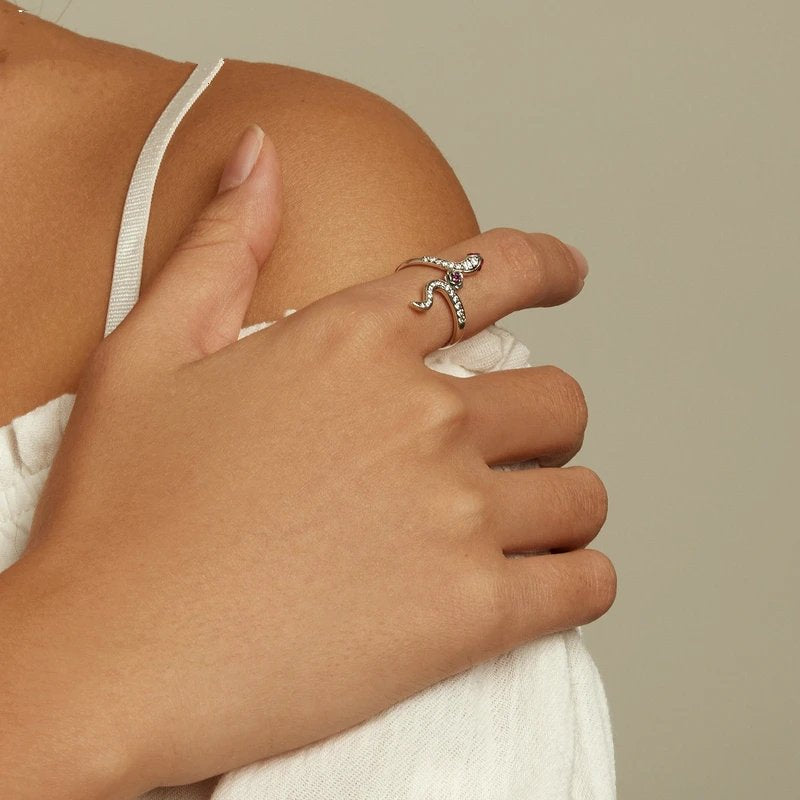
x=207, y=228
x=444, y=407
x=601, y=579
x=323, y=331
x=220, y=234
x=569, y=399
x=491, y=608
x=468, y=509
x=520, y=255
x=355, y=322
x=503, y=608
x=367, y=324
x=592, y=497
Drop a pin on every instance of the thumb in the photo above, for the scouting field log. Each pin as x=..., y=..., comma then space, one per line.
x=196, y=304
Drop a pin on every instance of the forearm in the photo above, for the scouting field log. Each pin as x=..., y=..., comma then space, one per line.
x=59, y=738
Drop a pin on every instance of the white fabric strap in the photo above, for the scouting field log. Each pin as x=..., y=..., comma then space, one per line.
x=127, y=276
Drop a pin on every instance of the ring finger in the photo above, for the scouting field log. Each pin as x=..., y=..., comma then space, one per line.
x=519, y=270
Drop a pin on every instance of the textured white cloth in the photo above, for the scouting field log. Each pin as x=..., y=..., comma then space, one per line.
x=532, y=724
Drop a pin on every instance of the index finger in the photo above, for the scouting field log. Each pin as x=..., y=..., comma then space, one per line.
x=519, y=270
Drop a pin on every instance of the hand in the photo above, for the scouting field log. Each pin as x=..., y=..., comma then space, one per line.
x=244, y=547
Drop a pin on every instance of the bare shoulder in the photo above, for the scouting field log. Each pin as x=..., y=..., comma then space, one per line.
x=364, y=186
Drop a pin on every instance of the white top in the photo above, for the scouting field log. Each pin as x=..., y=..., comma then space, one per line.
x=532, y=724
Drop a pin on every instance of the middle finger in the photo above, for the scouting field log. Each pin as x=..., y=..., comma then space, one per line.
x=519, y=414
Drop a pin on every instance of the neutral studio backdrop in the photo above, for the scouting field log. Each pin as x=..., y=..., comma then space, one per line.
x=662, y=139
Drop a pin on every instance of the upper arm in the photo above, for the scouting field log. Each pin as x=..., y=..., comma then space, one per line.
x=364, y=187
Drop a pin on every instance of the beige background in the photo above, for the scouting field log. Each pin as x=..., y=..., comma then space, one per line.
x=663, y=140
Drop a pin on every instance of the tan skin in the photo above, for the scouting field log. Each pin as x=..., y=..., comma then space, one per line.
x=139, y=592
x=78, y=130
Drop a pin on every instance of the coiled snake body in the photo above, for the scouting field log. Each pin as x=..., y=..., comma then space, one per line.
x=454, y=279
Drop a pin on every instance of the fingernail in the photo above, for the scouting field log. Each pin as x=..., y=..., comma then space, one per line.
x=243, y=159
x=580, y=260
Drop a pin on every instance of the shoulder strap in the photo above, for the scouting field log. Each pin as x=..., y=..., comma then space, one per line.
x=127, y=275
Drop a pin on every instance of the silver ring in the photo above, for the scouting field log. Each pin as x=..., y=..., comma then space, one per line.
x=455, y=272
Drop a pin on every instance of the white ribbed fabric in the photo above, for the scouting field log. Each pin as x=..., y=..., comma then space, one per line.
x=532, y=724
x=127, y=275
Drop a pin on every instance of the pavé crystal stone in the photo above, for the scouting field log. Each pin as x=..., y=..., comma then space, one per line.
x=455, y=272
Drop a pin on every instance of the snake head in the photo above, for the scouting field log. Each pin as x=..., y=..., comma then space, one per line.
x=475, y=261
